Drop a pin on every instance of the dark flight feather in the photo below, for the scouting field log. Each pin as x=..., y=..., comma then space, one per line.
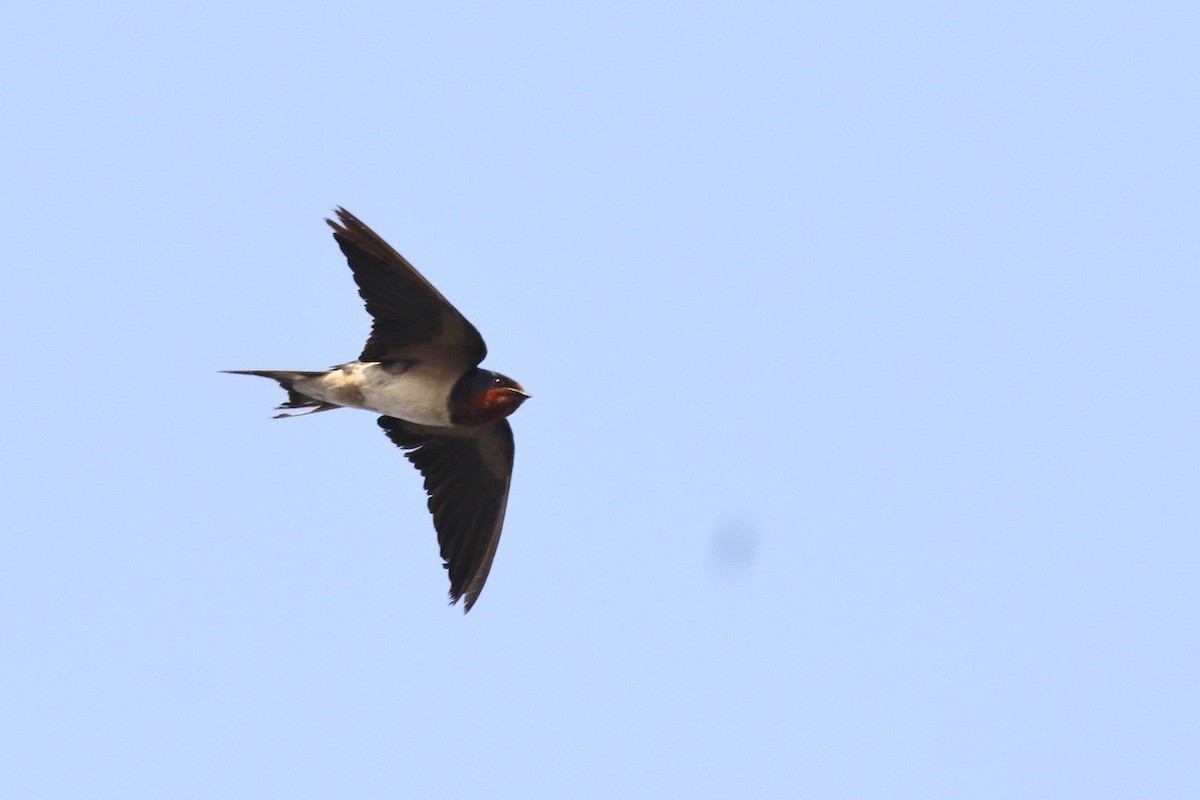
x=411, y=318
x=467, y=474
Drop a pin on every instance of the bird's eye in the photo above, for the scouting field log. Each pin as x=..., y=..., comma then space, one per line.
x=497, y=381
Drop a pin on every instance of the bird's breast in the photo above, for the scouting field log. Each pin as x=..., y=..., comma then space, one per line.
x=418, y=394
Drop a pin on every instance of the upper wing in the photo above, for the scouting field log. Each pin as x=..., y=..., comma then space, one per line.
x=412, y=319
x=467, y=473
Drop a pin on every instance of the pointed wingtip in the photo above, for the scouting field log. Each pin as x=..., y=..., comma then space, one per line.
x=468, y=600
x=344, y=219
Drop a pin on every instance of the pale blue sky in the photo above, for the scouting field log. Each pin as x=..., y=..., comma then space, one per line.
x=863, y=454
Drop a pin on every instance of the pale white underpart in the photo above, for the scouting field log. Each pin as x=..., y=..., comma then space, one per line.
x=419, y=394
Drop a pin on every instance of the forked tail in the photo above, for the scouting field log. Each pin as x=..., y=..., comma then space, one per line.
x=287, y=379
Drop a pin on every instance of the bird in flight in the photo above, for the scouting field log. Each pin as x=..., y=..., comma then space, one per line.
x=420, y=370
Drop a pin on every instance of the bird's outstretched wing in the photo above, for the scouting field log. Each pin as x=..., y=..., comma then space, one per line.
x=412, y=319
x=467, y=473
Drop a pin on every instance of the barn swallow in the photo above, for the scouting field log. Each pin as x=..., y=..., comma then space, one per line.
x=419, y=369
